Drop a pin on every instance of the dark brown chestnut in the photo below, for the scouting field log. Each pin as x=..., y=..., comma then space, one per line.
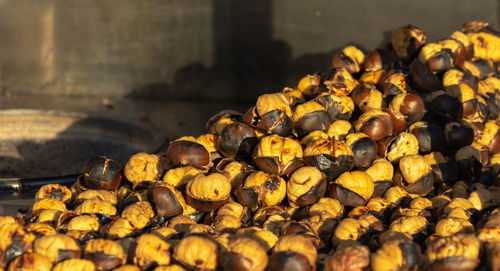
x=363, y=148
x=374, y=123
x=237, y=140
x=444, y=107
x=100, y=173
x=421, y=78
x=187, y=152
x=466, y=95
x=458, y=135
x=308, y=117
x=430, y=136
x=381, y=59
x=405, y=109
x=436, y=57
x=167, y=200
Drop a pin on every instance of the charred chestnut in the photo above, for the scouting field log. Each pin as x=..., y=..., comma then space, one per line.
x=209, y=192
x=339, y=81
x=305, y=186
x=430, y=136
x=375, y=123
x=272, y=113
x=14, y=241
x=278, y=155
x=197, y=252
x=100, y=173
x=406, y=41
x=436, y=57
x=54, y=191
x=352, y=188
x=444, y=107
x=261, y=189
x=244, y=254
x=350, y=58
x=367, y=97
x=363, y=148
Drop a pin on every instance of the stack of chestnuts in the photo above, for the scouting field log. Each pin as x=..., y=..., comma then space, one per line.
x=386, y=161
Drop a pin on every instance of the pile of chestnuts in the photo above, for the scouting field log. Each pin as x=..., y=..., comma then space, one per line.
x=388, y=160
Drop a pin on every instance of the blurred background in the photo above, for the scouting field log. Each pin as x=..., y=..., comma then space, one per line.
x=173, y=64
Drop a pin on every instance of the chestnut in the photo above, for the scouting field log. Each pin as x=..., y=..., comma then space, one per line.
x=104, y=195
x=481, y=198
x=278, y=155
x=367, y=97
x=449, y=226
x=470, y=160
x=372, y=77
x=392, y=84
x=237, y=140
x=444, y=107
x=31, y=261
x=236, y=171
x=396, y=147
x=142, y=169
x=455, y=77
x=261, y=189
x=430, y=136
x=100, y=173
x=208, y=192
x=397, y=254
x=363, y=148
x=458, y=252
x=14, y=241
x=139, y=214
x=184, y=151
x=414, y=175
x=381, y=173
x=75, y=264
x=57, y=247
x=414, y=227
x=350, y=58
x=209, y=141
x=218, y=121
x=54, y=191
x=381, y=59
x=466, y=95
x=421, y=78
x=309, y=85
x=149, y=250
x=421, y=203
x=272, y=113
x=308, y=117
x=405, y=109
x=294, y=96
x=407, y=40
x=197, y=252
x=352, y=188
x=339, y=81
x=105, y=254
x=491, y=136
x=167, y=200
x=376, y=124
x=119, y=228
x=48, y=203
x=330, y=156
x=395, y=195
x=436, y=57
x=95, y=206
x=326, y=205
x=305, y=186
x=456, y=47
x=312, y=137
x=348, y=229
x=40, y=229
x=244, y=254
x=293, y=252
x=339, y=130
x=180, y=176
x=82, y=223
x=172, y=267
x=349, y=256
x=337, y=107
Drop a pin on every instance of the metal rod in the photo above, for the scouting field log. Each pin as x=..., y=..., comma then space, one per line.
x=23, y=185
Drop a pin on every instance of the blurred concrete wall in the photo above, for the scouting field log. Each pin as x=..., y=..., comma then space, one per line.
x=210, y=50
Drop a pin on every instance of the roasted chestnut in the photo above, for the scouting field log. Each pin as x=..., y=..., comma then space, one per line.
x=75, y=264
x=272, y=113
x=350, y=58
x=458, y=252
x=139, y=214
x=100, y=173
x=437, y=57
x=374, y=123
x=349, y=256
x=143, y=168
x=305, y=186
x=396, y=147
x=393, y=83
x=14, y=241
x=444, y=107
x=293, y=252
x=185, y=151
x=466, y=95
x=381, y=59
x=197, y=252
x=339, y=81
x=367, y=97
x=352, y=188
x=31, y=261
x=491, y=136
x=261, y=189
x=57, y=247
x=430, y=136
x=180, y=176
x=105, y=254
x=363, y=148
x=415, y=227
x=167, y=200
x=449, y=226
x=348, y=229
x=237, y=140
x=244, y=254
x=236, y=171
x=48, y=203
x=309, y=85
x=405, y=109
x=414, y=175
x=308, y=117
x=406, y=41
x=339, y=130
x=119, y=228
x=330, y=156
x=208, y=192
x=220, y=120
x=54, y=191
x=381, y=173
x=150, y=250
x=278, y=155
x=398, y=254
x=99, y=194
